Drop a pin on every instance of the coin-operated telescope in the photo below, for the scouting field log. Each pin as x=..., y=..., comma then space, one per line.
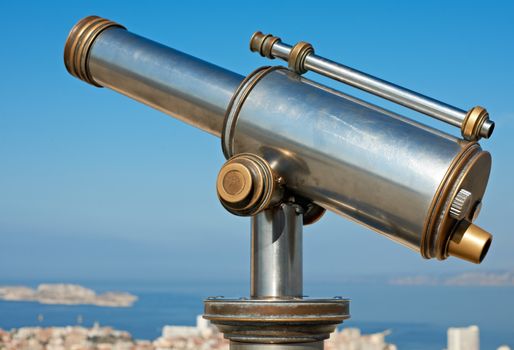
x=296, y=148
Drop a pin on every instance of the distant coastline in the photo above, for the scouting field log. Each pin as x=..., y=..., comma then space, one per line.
x=66, y=294
x=467, y=279
x=175, y=303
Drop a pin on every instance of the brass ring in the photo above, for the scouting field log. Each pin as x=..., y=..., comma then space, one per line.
x=473, y=122
x=232, y=112
x=79, y=42
x=235, y=105
x=263, y=43
x=429, y=236
x=297, y=57
x=267, y=45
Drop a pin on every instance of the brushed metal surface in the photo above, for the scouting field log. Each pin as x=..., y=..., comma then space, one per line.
x=382, y=88
x=185, y=87
x=276, y=260
x=370, y=165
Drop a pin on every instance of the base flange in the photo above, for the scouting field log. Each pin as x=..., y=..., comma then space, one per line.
x=277, y=320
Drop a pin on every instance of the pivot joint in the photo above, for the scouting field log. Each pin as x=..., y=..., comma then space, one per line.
x=247, y=185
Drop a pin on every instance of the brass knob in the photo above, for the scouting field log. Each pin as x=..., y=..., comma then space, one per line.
x=476, y=124
x=247, y=185
x=235, y=183
x=461, y=204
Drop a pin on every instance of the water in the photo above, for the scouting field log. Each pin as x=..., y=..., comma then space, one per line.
x=418, y=316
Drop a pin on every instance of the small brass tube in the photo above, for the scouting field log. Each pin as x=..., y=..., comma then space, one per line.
x=469, y=242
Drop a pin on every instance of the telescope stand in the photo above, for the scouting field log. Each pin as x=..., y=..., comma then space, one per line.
x=277, y=316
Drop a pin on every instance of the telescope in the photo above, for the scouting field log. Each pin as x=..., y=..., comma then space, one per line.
x=296, y=148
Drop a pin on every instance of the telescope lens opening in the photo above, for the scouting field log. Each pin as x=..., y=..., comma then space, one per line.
x=485, y=249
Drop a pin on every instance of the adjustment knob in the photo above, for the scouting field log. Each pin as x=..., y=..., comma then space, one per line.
x=461, y=204
x=247, y=185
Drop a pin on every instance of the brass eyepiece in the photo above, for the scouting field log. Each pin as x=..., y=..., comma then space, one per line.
x=469, y=242
x=79, y=41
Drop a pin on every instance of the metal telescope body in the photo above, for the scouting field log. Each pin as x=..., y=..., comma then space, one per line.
x=295, y=148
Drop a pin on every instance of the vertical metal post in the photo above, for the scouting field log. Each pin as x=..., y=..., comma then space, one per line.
x=277, y=264
x=277, y=316
x=276, y=257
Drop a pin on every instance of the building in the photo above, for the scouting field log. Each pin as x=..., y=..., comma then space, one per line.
x=464, y=338
x=352, y=339
x=203, y=336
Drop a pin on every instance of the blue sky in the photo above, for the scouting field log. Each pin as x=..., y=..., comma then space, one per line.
x=96, y=186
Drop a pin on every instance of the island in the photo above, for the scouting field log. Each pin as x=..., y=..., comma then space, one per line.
x=66, y=294
x=466, y=279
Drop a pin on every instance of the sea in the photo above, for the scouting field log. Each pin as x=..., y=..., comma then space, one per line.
x=417, y=316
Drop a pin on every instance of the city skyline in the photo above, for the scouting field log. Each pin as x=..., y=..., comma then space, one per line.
x=201, y=336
